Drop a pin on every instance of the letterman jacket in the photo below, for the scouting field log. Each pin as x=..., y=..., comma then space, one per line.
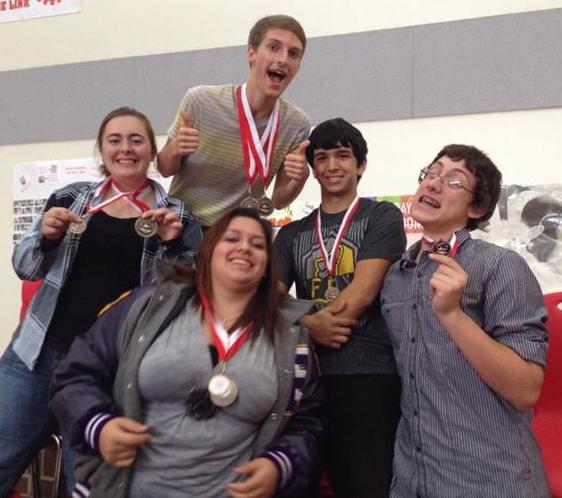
x=98, y=381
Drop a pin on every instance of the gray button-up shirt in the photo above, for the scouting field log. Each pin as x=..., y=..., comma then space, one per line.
x=457, y=437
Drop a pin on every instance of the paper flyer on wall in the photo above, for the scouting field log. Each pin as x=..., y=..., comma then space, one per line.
x=35, y=181
x=19, y=10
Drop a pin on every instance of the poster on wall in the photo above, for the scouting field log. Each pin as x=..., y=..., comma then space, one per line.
x=19, y=10
x=35, y=181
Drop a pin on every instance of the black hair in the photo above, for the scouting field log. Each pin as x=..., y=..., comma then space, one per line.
x=335, y=133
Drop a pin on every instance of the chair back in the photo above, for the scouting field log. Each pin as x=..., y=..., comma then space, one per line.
x=547, y=420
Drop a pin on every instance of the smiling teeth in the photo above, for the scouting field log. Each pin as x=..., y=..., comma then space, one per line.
x=429, y=202
x=238, y=261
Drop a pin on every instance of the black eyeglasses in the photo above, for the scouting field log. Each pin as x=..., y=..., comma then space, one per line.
x=450, y=179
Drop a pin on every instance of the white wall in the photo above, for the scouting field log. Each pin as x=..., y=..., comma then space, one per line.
x=108, y=29
x=525, y=145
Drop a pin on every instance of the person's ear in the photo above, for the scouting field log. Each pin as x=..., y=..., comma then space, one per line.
x=361, y=168
x=251, y=54
x=475, y=212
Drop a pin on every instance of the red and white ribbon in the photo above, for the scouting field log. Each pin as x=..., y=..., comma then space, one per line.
x=330, y=259
x=131, y=197
x=257, y=151
x=227, y=344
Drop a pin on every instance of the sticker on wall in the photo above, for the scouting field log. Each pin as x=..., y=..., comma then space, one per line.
x=19, y=10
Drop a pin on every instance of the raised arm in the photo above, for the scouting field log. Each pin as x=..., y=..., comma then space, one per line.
x=291, y=177
x=508, y=357
x=185, y=142
x=35, y=253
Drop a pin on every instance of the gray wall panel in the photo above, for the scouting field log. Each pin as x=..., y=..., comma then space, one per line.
x=499, y=63
x=489, y=64
x=162, y=80
x=62, y=102
x=363, y=77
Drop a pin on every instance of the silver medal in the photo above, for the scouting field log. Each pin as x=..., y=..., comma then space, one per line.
x=145, y=227
x=77, y=227
x=331, y=293
x=250, y=203
x=266, y=207
x=222, y=390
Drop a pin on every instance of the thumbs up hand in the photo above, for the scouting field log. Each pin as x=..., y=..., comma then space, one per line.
x=295, y=165
x=186, y=140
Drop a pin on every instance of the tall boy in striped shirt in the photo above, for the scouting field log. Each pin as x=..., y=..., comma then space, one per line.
x=227, y=142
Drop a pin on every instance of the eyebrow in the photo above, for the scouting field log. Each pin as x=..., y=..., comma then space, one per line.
x=459, y=170
x=276, y=40
x=240, y=232
x=337, y=148
x=121, y=135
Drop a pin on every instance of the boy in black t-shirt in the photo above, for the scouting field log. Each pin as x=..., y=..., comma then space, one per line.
x=338, y=256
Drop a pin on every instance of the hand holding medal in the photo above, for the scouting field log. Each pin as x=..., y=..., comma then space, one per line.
x=56, y=221
x=162, y=221
x=448, y=282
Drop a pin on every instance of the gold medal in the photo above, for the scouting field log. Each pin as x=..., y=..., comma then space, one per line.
x=145, y=227
x=222, y=390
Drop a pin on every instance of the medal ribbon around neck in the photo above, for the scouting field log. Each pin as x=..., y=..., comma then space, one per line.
x=453, y=244
x=131, y=197
x=330, y=259
x=257, y=151
x=227, y=344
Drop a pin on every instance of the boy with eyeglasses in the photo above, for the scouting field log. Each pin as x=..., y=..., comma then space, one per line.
x=337, y=256
x=467, y=326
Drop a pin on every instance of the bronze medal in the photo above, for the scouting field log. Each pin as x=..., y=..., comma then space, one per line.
x=266, y=207
x=78, y=227
x=222, y=390
x=442, y=247
x=250, y=203
x=145, y=227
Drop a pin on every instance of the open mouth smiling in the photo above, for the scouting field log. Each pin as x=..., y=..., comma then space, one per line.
x=276, y=75
x=428, y=201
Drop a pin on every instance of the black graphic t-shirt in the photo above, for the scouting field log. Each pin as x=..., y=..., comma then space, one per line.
x=376, y=231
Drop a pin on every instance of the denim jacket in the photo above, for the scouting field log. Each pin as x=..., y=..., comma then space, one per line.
x=37, y=258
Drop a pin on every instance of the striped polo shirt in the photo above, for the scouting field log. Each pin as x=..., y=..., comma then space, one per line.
x=213, y=178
